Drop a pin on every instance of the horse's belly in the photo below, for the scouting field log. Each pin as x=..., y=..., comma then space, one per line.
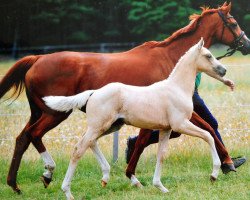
x=148, y=121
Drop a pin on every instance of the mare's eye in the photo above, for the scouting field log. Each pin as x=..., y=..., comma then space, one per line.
x=208, y=56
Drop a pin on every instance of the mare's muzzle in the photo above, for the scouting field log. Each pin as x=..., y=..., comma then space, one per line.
x=220, y=70
x=244, y=45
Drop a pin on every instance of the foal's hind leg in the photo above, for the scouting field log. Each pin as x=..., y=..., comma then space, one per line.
x=103, y=163
x=190, y=129
x=80, y=148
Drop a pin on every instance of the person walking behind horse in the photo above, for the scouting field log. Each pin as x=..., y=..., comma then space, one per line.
x=202, y=110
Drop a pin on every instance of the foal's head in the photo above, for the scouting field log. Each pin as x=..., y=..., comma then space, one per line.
x=206, y=62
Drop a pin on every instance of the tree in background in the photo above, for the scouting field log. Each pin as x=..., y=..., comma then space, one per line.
x=61, y=22
x=158, y=19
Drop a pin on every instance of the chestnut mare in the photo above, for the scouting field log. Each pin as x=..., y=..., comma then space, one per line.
x=68, y=73
x=115, y=104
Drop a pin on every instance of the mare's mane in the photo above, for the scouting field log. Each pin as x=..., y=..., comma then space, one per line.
x=191, y=27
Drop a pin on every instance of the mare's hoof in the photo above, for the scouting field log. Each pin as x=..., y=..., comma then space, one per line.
x=46, y=181
x=104, y=183
x=213, y=179
x=226, y=168
x=17, y=190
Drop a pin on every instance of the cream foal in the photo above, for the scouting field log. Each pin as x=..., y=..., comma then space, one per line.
x=166, y=105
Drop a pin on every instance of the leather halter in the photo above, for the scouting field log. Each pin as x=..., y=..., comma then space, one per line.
x=236, y=44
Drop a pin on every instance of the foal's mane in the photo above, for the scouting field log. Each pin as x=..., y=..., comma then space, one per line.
x=191, y=27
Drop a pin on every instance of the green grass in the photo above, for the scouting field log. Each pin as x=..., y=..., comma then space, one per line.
x=185, y=172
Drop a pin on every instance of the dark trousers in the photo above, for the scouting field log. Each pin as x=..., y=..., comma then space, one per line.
x=201, y=109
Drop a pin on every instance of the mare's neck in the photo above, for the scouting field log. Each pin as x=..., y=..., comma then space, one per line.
x=184, y=74
x=177, y=48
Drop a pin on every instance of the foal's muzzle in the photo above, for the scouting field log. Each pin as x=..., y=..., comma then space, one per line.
x=220, y=70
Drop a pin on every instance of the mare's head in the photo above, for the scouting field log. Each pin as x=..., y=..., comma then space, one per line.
x=226, y=29
x=206, y=62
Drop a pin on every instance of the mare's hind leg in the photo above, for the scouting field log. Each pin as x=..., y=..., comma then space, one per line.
x=103, y=163
x=190, y=129
x=80, y=148
x=162, y=149
x=22, y=143
x=37, y=131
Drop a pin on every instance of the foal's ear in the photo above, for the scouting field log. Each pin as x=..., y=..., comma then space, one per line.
x=200, y=43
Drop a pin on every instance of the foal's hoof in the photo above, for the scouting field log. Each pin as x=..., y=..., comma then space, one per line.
x=213, y=179
x=46, y=181
x=139, y=185
x=104, y=183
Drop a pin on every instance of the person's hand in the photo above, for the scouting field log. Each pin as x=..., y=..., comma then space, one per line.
x=229, y=83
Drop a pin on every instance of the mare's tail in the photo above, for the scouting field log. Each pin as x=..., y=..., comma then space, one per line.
x=16, y=75
x=65, y=104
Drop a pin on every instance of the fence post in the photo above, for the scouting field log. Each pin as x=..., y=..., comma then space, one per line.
x=115, y=146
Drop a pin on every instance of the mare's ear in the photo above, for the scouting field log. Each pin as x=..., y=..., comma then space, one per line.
x=224, y=4
x=228, y=8
x=200, y=43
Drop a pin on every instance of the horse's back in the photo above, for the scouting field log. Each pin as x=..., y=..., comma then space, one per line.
x=63, y=73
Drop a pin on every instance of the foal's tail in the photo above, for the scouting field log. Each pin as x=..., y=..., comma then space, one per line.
x=16, y=75
x=65, y=104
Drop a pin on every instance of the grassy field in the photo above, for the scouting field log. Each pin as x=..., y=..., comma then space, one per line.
x=185, y=172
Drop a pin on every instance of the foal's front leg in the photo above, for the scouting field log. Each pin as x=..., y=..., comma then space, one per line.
x=190, y=129
x=162, y=149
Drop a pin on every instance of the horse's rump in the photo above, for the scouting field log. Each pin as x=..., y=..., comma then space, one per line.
x=16, y=75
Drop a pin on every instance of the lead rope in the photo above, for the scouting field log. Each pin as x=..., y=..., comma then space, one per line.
x=229, y=53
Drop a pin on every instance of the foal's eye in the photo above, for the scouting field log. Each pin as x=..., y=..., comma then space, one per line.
x=208, y=56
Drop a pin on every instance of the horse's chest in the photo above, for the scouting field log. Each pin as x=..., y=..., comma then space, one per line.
x=180, y=105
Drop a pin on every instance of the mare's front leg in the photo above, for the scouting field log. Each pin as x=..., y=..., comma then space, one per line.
x=140, y=144
x=190, y=129
x=162, y=149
